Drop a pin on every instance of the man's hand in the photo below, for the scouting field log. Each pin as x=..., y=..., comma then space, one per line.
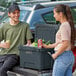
x=5, y=45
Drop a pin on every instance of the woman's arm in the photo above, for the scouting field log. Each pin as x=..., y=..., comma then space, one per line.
x=65, y=44
x=50, y=45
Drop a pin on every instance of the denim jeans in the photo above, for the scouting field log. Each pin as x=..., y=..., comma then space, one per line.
x=63, y=64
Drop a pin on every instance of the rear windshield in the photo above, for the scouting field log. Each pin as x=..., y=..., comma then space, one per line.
x=24, y=15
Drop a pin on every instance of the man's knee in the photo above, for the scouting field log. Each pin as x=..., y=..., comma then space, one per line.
x=13, y=60
x=10, y=62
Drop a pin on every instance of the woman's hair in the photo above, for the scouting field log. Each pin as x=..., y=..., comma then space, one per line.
x=67, y=13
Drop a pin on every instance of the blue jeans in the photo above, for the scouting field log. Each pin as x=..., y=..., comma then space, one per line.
x=63, y=64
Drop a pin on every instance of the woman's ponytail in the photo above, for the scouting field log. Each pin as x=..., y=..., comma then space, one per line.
x=70, y=20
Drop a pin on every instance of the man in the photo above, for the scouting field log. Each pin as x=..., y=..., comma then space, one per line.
x=14, y=33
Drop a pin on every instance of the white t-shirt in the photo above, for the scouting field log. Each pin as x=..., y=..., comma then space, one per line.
x=64, y=33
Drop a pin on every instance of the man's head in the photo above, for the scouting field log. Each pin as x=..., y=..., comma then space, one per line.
x=14, y=13
x=13, y=7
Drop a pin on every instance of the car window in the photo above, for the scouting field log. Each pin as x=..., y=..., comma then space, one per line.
x=4, y=18
x=48, y=18
x=73, y=10
x=24, y=15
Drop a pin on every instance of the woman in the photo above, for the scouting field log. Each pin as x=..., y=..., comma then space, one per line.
x=63, y=55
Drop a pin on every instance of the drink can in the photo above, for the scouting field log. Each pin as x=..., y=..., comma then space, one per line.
x=39, y=43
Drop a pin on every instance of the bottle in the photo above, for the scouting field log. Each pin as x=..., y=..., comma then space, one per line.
x=8, y=43
x=1, y=48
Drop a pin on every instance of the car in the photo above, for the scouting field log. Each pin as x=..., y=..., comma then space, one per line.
x=40, y=13
x=2, y=10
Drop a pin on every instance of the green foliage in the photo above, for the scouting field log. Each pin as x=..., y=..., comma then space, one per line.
x=43, y=41
x=36, y=41
x=48, y=42
x=6, y=4
x=3, y=3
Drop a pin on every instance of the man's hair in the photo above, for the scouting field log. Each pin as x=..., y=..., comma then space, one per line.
x=13, y=7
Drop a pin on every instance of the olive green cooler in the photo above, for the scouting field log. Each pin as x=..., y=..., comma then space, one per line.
x=36, y=58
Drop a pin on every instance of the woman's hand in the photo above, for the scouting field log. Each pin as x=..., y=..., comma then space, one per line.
x=47, y=46
x=44, y=46
x=54, y=56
